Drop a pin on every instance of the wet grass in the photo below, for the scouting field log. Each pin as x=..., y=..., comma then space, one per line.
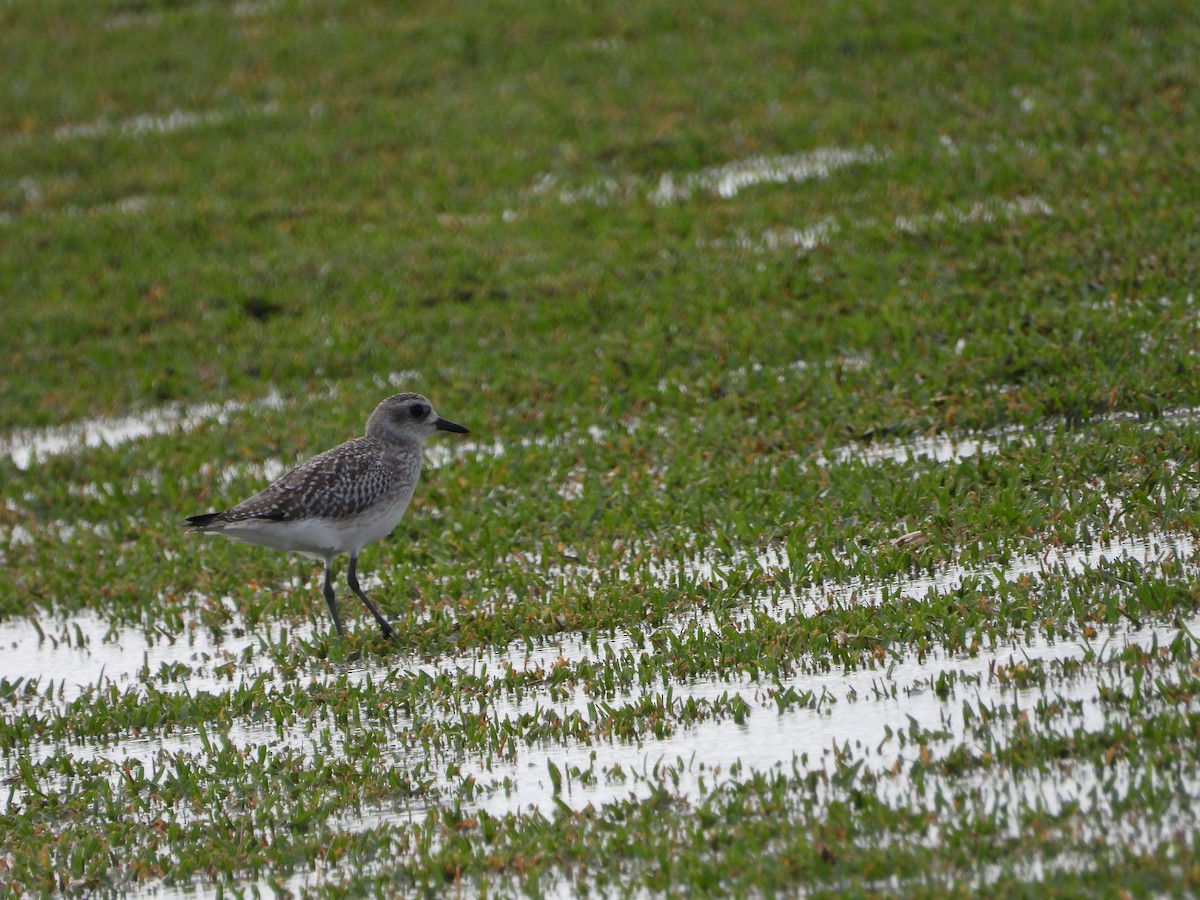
x=827, y=522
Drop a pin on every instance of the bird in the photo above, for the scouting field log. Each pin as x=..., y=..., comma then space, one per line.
x=340, y=500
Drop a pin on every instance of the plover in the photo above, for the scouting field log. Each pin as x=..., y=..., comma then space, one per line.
x=340, y=500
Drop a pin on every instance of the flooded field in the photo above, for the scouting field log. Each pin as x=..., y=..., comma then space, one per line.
x=827, y=522
x=806, y=719
x=582, y=721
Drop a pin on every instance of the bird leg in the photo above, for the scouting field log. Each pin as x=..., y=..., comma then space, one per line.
x=330, y=598
x=352, y=578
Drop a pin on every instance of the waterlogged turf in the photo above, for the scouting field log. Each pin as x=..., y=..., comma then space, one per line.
x=827, y=523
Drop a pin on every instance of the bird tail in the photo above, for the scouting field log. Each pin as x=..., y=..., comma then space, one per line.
x=201, y=521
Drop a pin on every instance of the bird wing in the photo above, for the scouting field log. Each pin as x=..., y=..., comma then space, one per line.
x=333, y=485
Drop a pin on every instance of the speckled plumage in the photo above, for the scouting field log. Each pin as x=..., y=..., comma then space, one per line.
x=340, y=500
x=336, y=484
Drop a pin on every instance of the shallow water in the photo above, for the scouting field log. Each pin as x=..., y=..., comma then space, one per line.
x=862, y=715
x=701, y=755
x=148, y=125
x=730, y=179
x=861, y=710
x=80, y=651
x=855, y=718
x=25, y=447
x=724, y=181
x=952, y=446
x=990, y=210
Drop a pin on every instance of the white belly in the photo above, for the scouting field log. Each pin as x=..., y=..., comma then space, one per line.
x=318, y=537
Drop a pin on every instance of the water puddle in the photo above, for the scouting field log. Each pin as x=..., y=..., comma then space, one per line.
x=803, y=240
x=1150, y=551
x=730, y=179
x=884, y=718
x=940, y=448
x=725, y=181
x=25, y=447
x=799, y=239
x=993, y=209
x=443, y=453
x=86, y=650
x=143, y=125
x=858, y=710
x=889, y=717
x=952, y=446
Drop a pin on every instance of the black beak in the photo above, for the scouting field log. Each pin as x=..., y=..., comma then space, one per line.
x=445, y=425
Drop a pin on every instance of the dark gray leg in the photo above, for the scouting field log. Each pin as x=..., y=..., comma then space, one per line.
x=352, y=577
x=330, y=599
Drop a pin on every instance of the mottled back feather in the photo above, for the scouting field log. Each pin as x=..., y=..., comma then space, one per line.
x=336, y=484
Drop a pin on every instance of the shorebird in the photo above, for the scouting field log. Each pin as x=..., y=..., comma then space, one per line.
x=340, y=500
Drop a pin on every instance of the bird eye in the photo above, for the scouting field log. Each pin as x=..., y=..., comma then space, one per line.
x=419, y=410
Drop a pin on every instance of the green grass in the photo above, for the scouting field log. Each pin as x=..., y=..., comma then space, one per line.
x=330, y=201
